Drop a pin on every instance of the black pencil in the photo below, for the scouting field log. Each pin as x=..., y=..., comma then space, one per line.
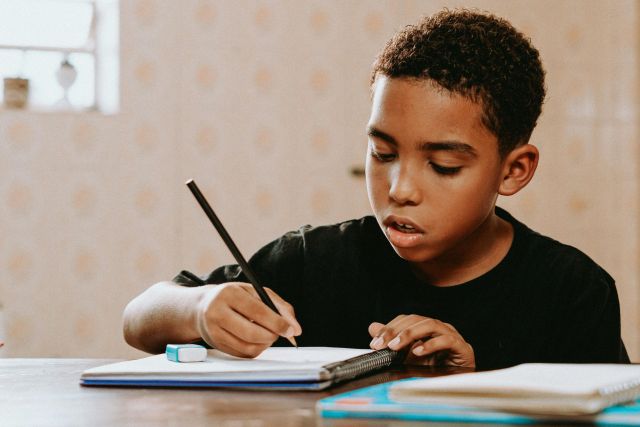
x=248, y=271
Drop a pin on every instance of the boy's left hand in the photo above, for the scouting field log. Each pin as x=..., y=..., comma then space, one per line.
x=432, y=342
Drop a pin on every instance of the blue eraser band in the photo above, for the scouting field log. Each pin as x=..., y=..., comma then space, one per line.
x=186, y=353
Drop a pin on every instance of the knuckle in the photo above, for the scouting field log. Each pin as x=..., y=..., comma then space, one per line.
x=226, y=293
x=241, y=288
x=405, y=335
x=254, y=350
x=237, y=288
x=282, y=322
x=448, y=340
x=430, y=323
x=396, y=319
x=251, y=336
x=257, y=336
x=451, y=327
x=384, y=333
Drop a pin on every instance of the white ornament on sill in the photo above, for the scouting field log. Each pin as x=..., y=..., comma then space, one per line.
x=66, y=76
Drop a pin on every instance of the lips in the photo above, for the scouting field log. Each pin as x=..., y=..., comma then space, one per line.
x=403, y=224
x=402, y=232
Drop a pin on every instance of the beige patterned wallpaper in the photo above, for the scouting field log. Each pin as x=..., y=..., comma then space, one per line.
x=264, y=103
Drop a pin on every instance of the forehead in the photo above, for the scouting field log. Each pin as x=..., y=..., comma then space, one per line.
x=418, y=110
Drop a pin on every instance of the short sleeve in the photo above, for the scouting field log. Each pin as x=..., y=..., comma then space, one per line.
x=588, y=319
x=278, y=265
x=188, y=279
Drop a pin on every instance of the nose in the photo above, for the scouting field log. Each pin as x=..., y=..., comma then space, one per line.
x=405, y=189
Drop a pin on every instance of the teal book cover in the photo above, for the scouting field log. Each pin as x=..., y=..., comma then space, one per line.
x=375, y=402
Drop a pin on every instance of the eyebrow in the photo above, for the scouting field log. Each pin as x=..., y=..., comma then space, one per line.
x=457, y=146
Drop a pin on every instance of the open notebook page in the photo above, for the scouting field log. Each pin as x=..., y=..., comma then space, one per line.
x=275, y=359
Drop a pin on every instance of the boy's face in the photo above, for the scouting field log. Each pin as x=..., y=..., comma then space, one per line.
x=433, y=170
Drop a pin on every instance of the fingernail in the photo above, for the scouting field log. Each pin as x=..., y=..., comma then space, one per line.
x=418, y=351
x=394, y=342
x=377, y=343
x=289, y=332
x=373, y=342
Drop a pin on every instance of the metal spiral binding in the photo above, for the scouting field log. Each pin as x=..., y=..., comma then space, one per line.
x=360, y=365
x=620, y=392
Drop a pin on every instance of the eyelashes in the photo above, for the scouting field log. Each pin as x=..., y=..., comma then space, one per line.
x=439, y=169
x=382, y=157
x=444, y=170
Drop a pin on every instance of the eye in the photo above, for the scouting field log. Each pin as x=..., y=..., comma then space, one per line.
x=445, y=170
x=382, y=157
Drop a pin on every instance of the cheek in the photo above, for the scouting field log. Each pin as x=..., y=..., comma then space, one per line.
x=479, y=192
x=376, y=180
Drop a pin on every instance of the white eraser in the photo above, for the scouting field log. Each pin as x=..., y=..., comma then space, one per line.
x=186, y=353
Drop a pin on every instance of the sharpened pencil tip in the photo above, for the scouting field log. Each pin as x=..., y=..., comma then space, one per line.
x=293, y=342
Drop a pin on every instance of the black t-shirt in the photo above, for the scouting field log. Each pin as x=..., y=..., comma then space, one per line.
x=544, y=302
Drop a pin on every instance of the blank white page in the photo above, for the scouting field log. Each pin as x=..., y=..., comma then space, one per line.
x=281, y=359
x=537, y=378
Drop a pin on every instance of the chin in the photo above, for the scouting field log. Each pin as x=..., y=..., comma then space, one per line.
x=416, y=255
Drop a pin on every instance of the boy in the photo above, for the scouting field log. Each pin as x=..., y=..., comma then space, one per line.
x=439, y=271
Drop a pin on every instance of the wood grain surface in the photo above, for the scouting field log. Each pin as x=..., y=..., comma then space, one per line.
x=46, y=392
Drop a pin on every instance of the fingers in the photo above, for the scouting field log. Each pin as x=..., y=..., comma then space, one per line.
x=444, y=342
x=231, y=344
x=286, y=311
x=375, y=328
x=228, y=330
x=258, y=312
x=443, y=350
x=405, y=329
x=430, y=341
x=232, y=318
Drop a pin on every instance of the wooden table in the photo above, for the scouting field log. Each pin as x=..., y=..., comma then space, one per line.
x=46, y=392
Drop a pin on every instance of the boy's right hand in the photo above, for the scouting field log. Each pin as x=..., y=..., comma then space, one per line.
x=231, y=317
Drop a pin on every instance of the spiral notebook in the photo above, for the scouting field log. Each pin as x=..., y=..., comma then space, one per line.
x=278, y=368
x=530, y=388
x=377, y=402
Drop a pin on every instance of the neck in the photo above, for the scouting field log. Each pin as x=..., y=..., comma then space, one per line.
x=477, y=255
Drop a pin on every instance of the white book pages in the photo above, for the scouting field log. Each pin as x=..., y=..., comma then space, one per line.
x=275, y=362
x=532, y=388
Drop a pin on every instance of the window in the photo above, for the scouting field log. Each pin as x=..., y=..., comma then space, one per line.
x=63, y=52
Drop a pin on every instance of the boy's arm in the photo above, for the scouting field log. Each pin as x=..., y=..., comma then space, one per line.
x=222, y=310
x=595, y=336
x=229, y=316
x=588, y=326
x=164, y=313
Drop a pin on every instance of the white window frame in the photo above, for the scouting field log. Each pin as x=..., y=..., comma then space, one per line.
x=92, y=47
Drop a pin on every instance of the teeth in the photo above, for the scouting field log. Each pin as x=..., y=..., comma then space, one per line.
x=405, y=226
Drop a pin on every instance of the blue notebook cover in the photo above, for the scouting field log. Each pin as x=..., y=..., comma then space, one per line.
x=375, y=402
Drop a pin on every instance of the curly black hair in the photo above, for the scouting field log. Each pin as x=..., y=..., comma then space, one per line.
x=480, y=56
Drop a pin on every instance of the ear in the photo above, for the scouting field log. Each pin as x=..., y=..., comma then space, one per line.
x=518, y=169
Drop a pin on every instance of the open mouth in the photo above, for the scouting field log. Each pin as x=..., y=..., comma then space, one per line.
x=404, y=235
x=404, y=228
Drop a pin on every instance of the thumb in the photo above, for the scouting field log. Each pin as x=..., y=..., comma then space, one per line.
x=286, y=311
x=374, y=328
